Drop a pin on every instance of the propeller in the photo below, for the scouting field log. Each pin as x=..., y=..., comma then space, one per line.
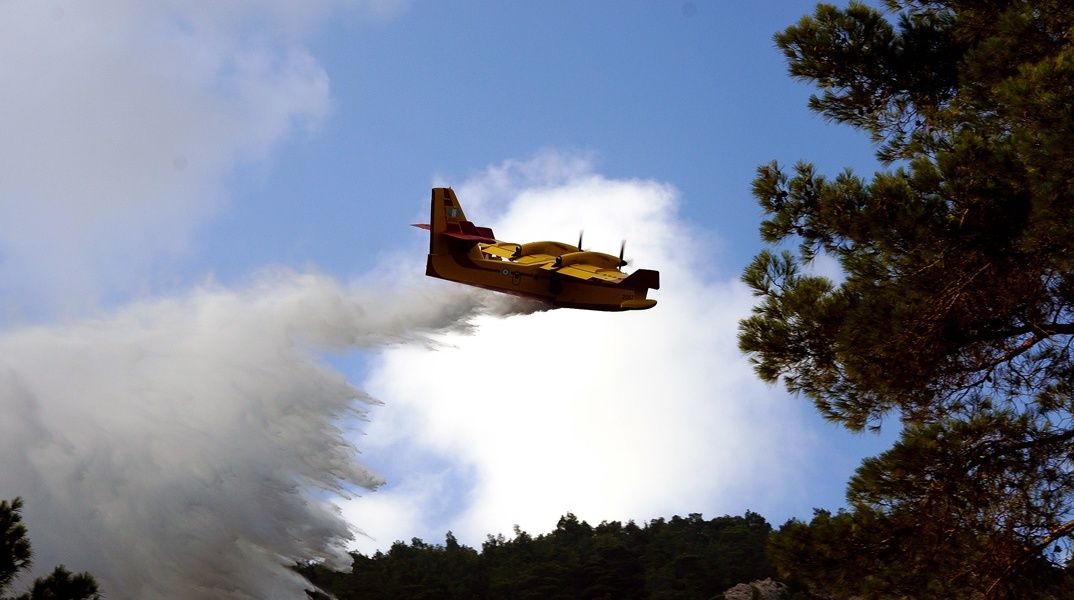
x=580, y=232
x=622, y=250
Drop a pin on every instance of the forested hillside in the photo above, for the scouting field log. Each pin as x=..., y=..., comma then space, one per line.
x=679, y=558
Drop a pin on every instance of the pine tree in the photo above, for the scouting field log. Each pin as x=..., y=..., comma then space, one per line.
x=16, y=556
x=955, y=311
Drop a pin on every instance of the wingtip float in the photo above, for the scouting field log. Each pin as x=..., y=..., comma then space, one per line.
x=554, y=272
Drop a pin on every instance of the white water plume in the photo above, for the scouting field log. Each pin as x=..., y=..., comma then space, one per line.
x=193, y=447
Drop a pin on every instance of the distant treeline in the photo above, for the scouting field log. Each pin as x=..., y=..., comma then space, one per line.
x=681, y=558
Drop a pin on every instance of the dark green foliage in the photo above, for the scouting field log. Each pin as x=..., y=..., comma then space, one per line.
x=62, y=585
x=955, y=313
x=15, y=556
x=417, y=570
x=15, y=552
x=687, y=558
x=870, y=554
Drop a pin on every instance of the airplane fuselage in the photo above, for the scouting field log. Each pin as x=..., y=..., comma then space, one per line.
x=533, y=281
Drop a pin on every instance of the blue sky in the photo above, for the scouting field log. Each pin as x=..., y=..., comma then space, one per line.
x=205, y=253
x=446, y=89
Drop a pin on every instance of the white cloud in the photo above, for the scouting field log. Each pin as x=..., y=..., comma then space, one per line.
x=122, y=120
x=611, y=416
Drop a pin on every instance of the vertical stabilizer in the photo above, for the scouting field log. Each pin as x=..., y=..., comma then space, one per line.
x=446, y=215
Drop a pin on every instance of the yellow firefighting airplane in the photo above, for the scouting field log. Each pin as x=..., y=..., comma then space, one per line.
x=557, y=273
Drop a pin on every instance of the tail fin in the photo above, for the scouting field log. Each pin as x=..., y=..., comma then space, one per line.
x=445, y=214
x=642, y=279
x=447, y=223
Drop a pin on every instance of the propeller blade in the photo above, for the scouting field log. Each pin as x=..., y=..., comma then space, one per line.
x=622, y=250
x=580, y=239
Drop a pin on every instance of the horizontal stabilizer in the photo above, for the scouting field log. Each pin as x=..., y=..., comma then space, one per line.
x=464, y=230
x=471, y=237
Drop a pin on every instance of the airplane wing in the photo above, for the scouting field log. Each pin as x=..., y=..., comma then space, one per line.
x=584, y=271
x=577, y=264
x=503, y=250
x=588, y=265
x=510, y=251
x=536, y=259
